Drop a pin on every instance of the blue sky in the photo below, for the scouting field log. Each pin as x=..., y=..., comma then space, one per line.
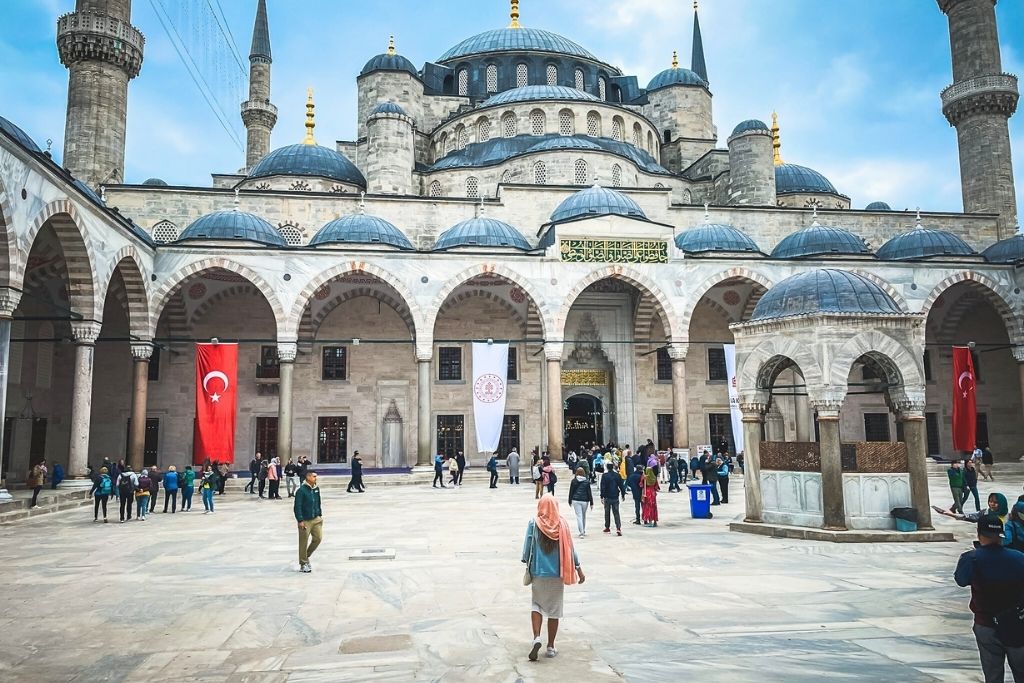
x=856, y=82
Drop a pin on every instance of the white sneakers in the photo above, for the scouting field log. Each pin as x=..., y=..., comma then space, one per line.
x=535, y=649
x=305, y=568
x=551, y=652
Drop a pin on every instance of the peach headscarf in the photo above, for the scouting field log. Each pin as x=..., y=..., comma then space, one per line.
x=554, y=526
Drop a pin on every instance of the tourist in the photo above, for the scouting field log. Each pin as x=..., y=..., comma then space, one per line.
x=971, y=485
x=695, y=468
x=662, y=469
x=273, y=479
x=585, y=464
x=552, y=564
x=492, y=467
x=723, y=479
x=956, y=486
x=580, y=496
x=538, y=477
x=102, y=490
x=127, y=482
x=453, y=470
x=513, y=466
x=309, y=516
x=171, y=489
x=598, y=462
x=996, y=577
x=291, y=478
x=357, y=474
x=548, y=474
x=58, y=475
x=254, y=471
x=35, y=480
x=673, y=473
x=634, y=485
x=987, y=460
x=223, y=470
x=997, y=505
x=572, y=460
x=209, y=485
x=438, y=471
x=1013, y=529
x=187, y=481
x=154, y=486
x=709, y=470
x=301, y=467
x=143, y=492
x=460, y=460
x=739, y=461
x=649, y=506
x=612, y=487
x=262, y=475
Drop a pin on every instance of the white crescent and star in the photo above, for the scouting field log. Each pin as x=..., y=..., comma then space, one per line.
x=215, y=374
x=960, y=381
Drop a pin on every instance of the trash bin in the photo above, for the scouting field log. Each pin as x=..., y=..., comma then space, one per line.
x=700, y=501
x=906, y=519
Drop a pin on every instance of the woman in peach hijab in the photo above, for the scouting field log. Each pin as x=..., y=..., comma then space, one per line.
x=553, y=564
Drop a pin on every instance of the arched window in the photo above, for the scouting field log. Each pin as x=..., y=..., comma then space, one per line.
x=538, y=124
x=566, y=122
x=616, y=175
x=594, y=124
x=508, y=125
x=449, y=144
x=506, y=177
x=602, y=88
x=461, y=137
x=540, y=173
x=442, y=145
x=492, y=78
x=660, y=186
x=580, y=172
x=617, y=129
x=483, y=130
x=291, y=234
x=638, y=135
x=687, y=197
x=165, y=231
x=650, y=142
x=579, y=81
x=472, y=187
x=463, y=82
x=668, y=136
x=435, y=189
x=616, y=94
x=552, y=74
x=522, y=76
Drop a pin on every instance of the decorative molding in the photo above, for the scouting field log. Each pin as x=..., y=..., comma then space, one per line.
x=553, y=350
x=678, y=351
x=286, y=352
x=9, y=300
x=584, y=378
x=85, y=331
x=613, y=251
x=142, y=352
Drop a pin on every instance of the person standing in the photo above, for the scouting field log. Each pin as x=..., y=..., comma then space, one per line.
x=580, y=497
x=513, y=466
x=537, y=476
x=208, y=486
x=634, y=484
x=35, y=480
x=171, y=489
x=301, y=467
x=460, y=460
x=971, y=485
x=273, y=480
x=548, y=474
x=438, y=471
x=612, y=487
x=254, y=470
x=58, y=475
x=188, y=487
x=709, y=470
x=154, y=486
x=357, y=474
x=956, y=486
x=552, y=564
x=309, y=516
x=453, y=470
x=995, y=574
x=649, y=506
x=262, y=475
x=143, y=492
x=673, y=473
x=723, y=479
x=102, y=490
x=492, y=467
x=127, y=482
x=987, y=460
x=291, y=477
x=223, y=471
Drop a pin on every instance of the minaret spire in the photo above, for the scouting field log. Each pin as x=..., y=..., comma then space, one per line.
x=697, y=64
x=258, y=114
x=260, y=34
x=776, y=140
x=310, y=122
x=514, y=14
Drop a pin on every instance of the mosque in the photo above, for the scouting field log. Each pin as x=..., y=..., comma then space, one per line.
x=517, y=188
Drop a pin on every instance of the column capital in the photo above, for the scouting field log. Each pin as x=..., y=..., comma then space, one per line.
x=142, y=351
x=85, y=332
x=9, y=300
x=827, y=401
x=553, y=350
x=1018, y=354
x=287, y=351
x=909, y=402
x=678, y=351
x=753, y=404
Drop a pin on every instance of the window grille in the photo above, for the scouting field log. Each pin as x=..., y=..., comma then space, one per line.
x=565, y=122
x=552, y=74
x=492, y=78
x=506, y=177
x=716, y=365
x=472, y=187
x=332, y=439
x=537, y=123
x=435, y=189
x=335, y=363
x=664, y=366
x=602, y=88
x=637, y=136
x=483, y=130
x=463, y=82
x=291, y=234
x=165, y=231
x=578, y=76
x=449, y=363
x=540, y=173
x=594, y=124
x=461, y=138
x=522, y=76
x=617, y=130
x=876, y=426
x=508, y=125
x=450, y=435
x=580, y=174
x=616, y=176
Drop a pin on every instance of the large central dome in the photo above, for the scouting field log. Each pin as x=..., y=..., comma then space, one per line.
x=516, y=40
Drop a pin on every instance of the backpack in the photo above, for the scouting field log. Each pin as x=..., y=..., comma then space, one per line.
x=145, y=484
x=104, y=488
x=552, y=478
x=125, y=485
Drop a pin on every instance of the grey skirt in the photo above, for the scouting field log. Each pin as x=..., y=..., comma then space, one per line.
x=547, y=593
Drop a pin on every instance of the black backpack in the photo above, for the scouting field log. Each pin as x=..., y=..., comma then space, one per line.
x=125, y=485
x=552, y=478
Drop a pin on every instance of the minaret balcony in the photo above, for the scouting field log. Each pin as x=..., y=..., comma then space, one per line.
x=259, y=112
x=996, y=93
x=90, y=35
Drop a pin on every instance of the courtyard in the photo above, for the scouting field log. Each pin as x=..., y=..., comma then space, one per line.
x=218, y=597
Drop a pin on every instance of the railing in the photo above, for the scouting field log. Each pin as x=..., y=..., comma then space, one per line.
x=995, y=82
x=256, y=105
x=268, y=372
x=860, y=456
x=101, y=24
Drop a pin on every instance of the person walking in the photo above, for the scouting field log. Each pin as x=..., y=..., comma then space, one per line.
x=209, y=485
x=35, y=480
x=254, y=471
x=612, y=487
x=723, y=479
x=552, y=564
x=580, y=497
x=154, y=486
x=143, y=492
x=439, y=471
x=548, y=474
x=971, y=485
x=453, y=470
x=673, y=472
x=995, y=574
x=649, y=507
x=274, y=479
x=127, y=482
x=291, y=477
x=171, y=489
x=492, y=467
x=633, y=483
x=188, y=487
x=309, y=516
x=956, y=486
x=102, y=490
x=460, y=460
x=357, y=474
x=538, y=477
x=513, y=466
x=987, y=460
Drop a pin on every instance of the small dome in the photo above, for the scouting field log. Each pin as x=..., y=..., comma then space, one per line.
x=1010, y=250
x=308, y=160
x=154, y=182
x=566, y=142
x=597, y=201
x=389, y=62
x=824, y=291
x=515, y=40
x=715, y=237
x=793, y=178
x=878, y=206
x=233, y=225
x=675, y=76
x=749, y=125
x=20, y=136
x=387, y=108
x=360, y=229
x=819, y=240
x=481, y=232
x=923, y=242
x=531, y=93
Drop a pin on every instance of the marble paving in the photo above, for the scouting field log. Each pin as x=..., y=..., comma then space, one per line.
x=194, y=597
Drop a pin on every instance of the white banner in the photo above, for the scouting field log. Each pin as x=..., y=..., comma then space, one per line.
x=490, y=385
x=734, y=397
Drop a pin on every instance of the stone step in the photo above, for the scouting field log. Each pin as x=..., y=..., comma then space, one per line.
x=18, y=509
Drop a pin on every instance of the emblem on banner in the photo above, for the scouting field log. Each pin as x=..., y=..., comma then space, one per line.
x=488, y=388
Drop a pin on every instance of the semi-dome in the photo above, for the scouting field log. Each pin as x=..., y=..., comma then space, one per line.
x=308, y=160
x=820, y=240
x=596, y=201
x=795, y=178
x=749, y=125
x=389, y=62
x=481, y=232
x=387, y=108
x=233, y=225
x=531, y=93
x=715, y=237
x=675, y=76
x=18, y=134
x=878, y=206
x=155, y=182
x=923, y=242
x=824, y=291
x=360, y=229
x=566, y=142
x=515, y=40
x=1010, y=250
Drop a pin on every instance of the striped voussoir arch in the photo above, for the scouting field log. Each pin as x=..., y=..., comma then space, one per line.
x=534, y=325
x=993, y=292
x=136, y=304
x=62, y=216
x=646, y=311
x=309, y=326
x=239, y=290
x=466, y=295
x=761, y=285
x=8, y=250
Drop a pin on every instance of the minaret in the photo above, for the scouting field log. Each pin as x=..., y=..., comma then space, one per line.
x=697, y=64
x=979, y=103
x=258, y=114
x=102, y=52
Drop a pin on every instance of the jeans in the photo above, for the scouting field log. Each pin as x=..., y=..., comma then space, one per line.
x=35, y=496
x=968, y=490
x=994, y=654
x=152, y=500
x=356, y=483
x=291, y=483
x=101, y=499
x=715, y=500
x=208, y=500
x=251, y=486
x=494, y=480
x=126, y=508
x=310, y=534
x=438, y=478
x=723, y=483
x=673, y=481
x=275, y=488
x=186, y=498
x=142, y=505
x=263, y=487
x=171, y=496
x=611, y=507
x=580, y=506
x=636, y=504
x=986, y=472
x=958, y=494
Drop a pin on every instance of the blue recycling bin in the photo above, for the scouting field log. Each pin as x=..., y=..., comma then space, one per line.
x=700, y=501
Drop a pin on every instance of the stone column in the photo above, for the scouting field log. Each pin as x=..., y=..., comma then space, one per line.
x=831, y=465
x=1018, y=354
x=141, y=353
x=802, y=418
x=911, y=414
x=553, y=356
x=680, y=423
x=423, y=386
x=753, y=408
x=286, y=352
x=9, y=300
x=84, y=333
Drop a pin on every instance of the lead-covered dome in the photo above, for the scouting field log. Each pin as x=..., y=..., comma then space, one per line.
x=715, y=237
x=233, y=225
x=515, y=40
x=751, y=125
x=824, y=291
x=19, y=135
x=389, y=62
x=532, y=93
x=790, y=178
x=675, y=76
x=820, y=240
x=387, y=108
x=878, y=206
x=597, y=201
x=361, y=229
x=566, y=142
x=481, y=232
x=1010, y=250
x=155, y=182
x=923, y=242
x=308, y=160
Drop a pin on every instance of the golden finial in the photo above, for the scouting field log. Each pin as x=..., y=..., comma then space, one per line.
x=776, y=141
x=515, y=15
x=675, y=59
x=391, y=45
x=310, y=122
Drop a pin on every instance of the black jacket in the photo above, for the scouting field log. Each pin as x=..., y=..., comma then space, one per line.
x=580, y=491
x=612, y=486
x=357, y=466
x=254, y=466
x=633, y=482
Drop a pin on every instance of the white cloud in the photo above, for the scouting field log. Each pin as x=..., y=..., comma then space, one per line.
x=901, y=182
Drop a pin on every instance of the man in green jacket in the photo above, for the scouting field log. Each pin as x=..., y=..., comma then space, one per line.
x=956, y=486
x=310, y=519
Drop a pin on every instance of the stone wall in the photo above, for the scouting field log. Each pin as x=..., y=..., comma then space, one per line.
x=390, y=150
x=399, y=87
x=752, y=172
x=684, y=111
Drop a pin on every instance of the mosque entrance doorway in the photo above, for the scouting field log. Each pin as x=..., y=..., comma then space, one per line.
x=583, y=421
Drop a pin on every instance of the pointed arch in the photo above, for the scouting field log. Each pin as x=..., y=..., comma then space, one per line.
x=66, y=222
x=541, y=304
x=699, y=292
x=758, y=367
x=618, y=272
x=998, y=295
x=8, y=242
x=128, y=263
x=906, y=365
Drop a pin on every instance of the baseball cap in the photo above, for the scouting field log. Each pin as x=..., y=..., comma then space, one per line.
x=990, y=525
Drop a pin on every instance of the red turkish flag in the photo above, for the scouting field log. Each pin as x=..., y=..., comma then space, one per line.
x=965, y=413
x=216, y=389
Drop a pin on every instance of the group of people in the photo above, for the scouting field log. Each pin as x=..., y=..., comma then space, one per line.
x=138, y=492
x=455, y=465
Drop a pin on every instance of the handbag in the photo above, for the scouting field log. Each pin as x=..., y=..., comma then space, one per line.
x=528, y=575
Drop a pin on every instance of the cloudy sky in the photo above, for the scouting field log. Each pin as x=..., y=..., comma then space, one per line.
x=856, y=83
